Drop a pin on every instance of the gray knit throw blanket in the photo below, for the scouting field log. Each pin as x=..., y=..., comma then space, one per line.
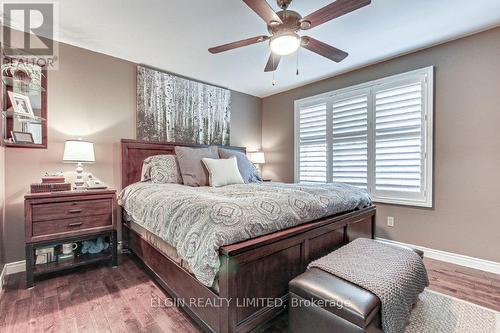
x=396, y=275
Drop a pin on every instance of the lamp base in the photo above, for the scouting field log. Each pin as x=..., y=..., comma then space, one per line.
x=79, y=183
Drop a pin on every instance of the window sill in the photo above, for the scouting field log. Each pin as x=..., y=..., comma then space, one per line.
x=405, y=203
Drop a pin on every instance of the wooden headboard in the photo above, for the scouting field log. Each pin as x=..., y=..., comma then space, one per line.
x=134, y=152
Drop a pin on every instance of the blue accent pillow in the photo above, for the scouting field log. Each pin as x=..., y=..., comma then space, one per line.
x=247, y=169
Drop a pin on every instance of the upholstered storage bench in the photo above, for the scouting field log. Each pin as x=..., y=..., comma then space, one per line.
x=321, y=302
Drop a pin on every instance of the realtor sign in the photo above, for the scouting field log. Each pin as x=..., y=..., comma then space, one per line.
x=28, y=32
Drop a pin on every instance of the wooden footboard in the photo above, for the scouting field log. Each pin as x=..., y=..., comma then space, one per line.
x=254, y=275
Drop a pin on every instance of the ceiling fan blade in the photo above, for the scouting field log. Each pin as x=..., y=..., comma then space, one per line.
x=333, y=10
x=240, y=43
x=272, y=62
x=262, y=8
x=323, y=49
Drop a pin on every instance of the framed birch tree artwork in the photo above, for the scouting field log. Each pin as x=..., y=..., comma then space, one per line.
x=175, y=109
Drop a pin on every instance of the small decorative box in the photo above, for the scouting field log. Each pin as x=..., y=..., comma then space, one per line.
x=52, y=179
x=50, y=187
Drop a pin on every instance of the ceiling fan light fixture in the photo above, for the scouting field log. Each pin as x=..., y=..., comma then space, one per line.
x=285, y=43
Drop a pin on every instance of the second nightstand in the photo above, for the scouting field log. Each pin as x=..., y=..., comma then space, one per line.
x=67, y=217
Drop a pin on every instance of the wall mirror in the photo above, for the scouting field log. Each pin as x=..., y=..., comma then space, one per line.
x=24, y=103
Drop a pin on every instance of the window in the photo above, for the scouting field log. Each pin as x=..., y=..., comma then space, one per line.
x=376, y=136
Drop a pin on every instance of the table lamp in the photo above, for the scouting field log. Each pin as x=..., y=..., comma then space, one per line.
x=79, y=152
x=257, y=158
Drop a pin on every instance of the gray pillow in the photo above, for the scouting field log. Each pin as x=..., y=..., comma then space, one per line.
x=194, y=173
x=161, y=169
x=248, y=171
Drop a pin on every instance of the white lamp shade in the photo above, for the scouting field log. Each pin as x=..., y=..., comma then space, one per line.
x=257, y=157
x=78, y=151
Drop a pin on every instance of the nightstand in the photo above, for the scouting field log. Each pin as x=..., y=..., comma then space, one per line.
x=68, y=217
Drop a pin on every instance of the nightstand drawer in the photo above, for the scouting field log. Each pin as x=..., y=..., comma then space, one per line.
x=72, y=224
x=71, y=209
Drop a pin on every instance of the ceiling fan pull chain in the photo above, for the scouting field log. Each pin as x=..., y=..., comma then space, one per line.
x=297, y=73
x=272, y=58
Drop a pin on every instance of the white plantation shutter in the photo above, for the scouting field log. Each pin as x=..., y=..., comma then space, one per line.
x=350, y=139
x=377, y=136
x=399, y=140
x=312, y=143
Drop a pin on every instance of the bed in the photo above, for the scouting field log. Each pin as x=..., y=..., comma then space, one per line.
x=248, y=285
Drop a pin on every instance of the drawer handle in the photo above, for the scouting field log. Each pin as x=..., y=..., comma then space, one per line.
x=77, y=224
x=74, y=211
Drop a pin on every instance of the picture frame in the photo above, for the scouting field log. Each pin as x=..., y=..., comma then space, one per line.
x=172, y=108
x=21, y=104
x=22, y=137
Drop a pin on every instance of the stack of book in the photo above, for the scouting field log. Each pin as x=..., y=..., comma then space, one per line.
x=45, y=255
x=51, y=184
x=53, y=179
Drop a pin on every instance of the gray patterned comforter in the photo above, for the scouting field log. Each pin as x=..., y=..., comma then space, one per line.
x=197, y=221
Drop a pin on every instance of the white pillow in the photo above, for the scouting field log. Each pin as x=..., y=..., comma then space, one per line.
x=223, y=171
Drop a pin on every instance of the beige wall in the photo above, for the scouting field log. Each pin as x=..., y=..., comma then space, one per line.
x=92, y=96
x=246, y=121
x=465, y=218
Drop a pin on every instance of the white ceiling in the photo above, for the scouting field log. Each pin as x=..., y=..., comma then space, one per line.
x=174, y=35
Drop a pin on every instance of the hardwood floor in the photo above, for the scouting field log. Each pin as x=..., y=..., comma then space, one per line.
x=96, y=299
x=469, y=284
x=103, y=299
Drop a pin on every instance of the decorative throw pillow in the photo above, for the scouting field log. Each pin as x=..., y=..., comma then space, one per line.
x=223, y=171
x=161, y=169
x=193, y=171
x=248, y=171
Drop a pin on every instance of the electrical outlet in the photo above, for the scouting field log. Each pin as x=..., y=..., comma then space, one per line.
x=390, y=221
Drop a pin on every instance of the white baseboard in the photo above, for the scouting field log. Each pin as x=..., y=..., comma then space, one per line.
x=453, y=258
x=3, y=274
x=12, y=268
x=15, y=267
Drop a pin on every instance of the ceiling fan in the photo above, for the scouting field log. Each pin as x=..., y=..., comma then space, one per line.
x=285, y=25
